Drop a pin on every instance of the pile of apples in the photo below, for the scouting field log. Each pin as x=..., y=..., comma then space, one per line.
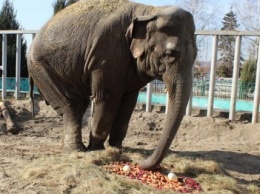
x=155, y=178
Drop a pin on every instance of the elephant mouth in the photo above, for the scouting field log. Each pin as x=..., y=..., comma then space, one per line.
x=163, y=66
x=161, y=69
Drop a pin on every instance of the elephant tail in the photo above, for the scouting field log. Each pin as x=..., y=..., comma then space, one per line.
x=31, y=83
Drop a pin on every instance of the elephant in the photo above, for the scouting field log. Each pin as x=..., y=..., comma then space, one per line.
x=104, y=52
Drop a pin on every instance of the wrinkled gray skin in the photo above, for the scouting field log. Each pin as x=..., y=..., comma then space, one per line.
x=107, y=51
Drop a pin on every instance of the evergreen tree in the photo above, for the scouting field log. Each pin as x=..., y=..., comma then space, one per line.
x=227, y=45
x=61, y=4
x=248, y=73
x=247, y=78
x=8, y=22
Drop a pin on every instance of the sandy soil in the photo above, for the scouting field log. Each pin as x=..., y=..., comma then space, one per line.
x=234, y=145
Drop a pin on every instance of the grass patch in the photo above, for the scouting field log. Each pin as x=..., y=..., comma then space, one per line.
x=191, y=167
x=218, y=182
x=253, y=188
x=84, y=173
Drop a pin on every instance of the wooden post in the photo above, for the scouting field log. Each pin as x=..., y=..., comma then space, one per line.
x=212, y=75
x=257, y=90
x=235, y=78
x=149, y=88
x=189, y=105
x=167, y=103
x=4, y=64
x=18, y=66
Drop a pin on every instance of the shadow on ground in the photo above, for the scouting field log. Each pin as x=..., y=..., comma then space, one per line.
x=230, y=161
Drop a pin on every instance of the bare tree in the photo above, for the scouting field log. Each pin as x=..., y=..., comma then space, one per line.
x=205, y=16
x=249, y=17
x=203, y=11
x=248, y=13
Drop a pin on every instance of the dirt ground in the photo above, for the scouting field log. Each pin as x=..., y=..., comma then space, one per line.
x=234, y=145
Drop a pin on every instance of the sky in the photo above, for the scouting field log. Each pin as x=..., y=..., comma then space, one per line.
x=33, y=14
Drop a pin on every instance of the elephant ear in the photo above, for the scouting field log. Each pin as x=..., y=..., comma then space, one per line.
x=137, y=34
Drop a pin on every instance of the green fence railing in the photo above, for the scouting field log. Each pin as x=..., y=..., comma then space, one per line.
x=223, y=88
x=11, y=83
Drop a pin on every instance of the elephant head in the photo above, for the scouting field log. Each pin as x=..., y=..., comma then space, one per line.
x=164, y=47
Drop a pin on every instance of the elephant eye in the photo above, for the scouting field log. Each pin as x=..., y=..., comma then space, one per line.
x=171, y=55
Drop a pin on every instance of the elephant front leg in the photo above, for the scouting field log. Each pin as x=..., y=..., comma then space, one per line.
x=122, y=118
x=106, y=98
x=72, y=139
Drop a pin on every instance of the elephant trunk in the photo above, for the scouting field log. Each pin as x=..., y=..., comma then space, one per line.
x=179, y=93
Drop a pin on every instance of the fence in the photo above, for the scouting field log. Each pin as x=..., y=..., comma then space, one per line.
x=3, y=67
x=234, y=91
x=222, y=88
x=245, y=90
x=234, y=88
x=211, y=84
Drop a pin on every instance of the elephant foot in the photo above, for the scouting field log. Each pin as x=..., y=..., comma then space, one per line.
x=96, y=143
x=95, y=146
x=74, y=148
x=70, y=144
x=117, y=144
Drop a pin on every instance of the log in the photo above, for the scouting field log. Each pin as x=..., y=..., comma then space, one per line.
x=3, y=130
x=10, y=126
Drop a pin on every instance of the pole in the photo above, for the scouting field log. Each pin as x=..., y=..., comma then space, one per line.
x=189, y=105
x=149, y=97
x=257, y=90
x=212, y=75
x=4, y=64
x=18, y=65
x=235, y=78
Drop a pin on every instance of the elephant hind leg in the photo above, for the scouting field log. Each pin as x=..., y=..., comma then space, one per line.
x=51, y=87
x=66, y=100
x=72, y=139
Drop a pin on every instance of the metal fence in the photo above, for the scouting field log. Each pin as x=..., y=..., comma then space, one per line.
x=223, y=89
x=3, y=67
x=233, y=90
x=211, y=88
